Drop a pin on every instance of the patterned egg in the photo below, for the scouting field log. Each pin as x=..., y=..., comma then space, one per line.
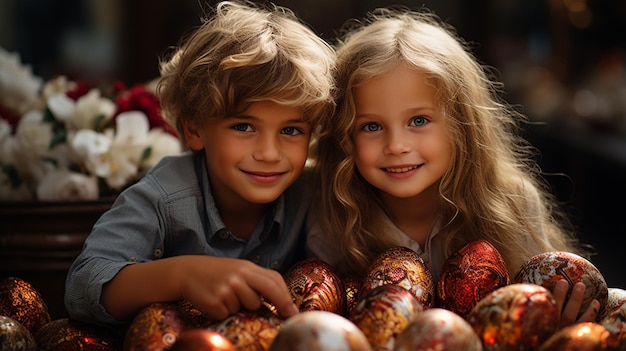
x=14, y=336
x=547, y=268
x=515, y=317
x=156, y=327
x=66, y=335
x=315, y=286
x=404, y=267
x=352, y=286
x=615, y=322
x=22, y=302
x=319, y=331
x=438, y=329
x=202, y=340
x=198, y=318
x=587, y=336
x=249, y=330
x=616, y=299
x=470, y=274
x=384, y=313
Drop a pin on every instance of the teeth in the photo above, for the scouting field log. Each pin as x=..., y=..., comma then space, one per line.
x=400, y=170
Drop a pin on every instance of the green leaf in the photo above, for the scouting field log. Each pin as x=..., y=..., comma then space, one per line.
x=48, y=116
x=59, y=137
x=146, y=153
x=98, y=124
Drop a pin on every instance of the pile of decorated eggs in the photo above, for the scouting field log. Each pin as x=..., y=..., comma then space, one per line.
x=398, y=305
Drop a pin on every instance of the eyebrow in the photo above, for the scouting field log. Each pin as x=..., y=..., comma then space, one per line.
x=301, y=119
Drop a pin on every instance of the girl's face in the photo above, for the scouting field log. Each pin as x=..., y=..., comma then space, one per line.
x=253, y=158
x=402, y=147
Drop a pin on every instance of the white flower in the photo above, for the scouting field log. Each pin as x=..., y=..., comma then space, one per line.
x=62, y=107
x=161, y=144
x=33, y=134
x=19, y=88
x=89, y=109
x=63, y=185
x=58, y=85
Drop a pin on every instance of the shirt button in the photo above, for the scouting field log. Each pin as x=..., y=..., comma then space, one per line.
x=132, y=259
x=224, y=234
x=158, y=253
x=275, y=264
x=256, y=259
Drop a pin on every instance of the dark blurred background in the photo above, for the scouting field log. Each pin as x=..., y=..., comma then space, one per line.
x=563, y=61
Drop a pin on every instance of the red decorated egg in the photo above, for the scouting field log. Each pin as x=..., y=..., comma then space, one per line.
x=615, y=300
x=403, y=267
x=587, y=336
x=67, y=335
x=352, y=286
x=250, y=330
x=202, y=340
x=22, y=302
x=470, y=274
x=14, y=336
x=515, y=317
x=383, y=313
x=319, y=331
x=438, y=329
x=156, y=327
x=314, y=286
x=615, y=323
x=547, y=268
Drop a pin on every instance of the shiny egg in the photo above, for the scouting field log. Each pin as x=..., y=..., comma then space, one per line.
x=249, y=330
x=319, y=331
x=22, y=302
x=156, y=327
x=14, y=336
x=384, y=313
x=547, y=268
x=438, y=329
x=470, y=274
x=515, y=317
x=314, y=286
x=403, y=267
x=615, y=300
x=202, y=340
x=65, y=334
x=586, y=336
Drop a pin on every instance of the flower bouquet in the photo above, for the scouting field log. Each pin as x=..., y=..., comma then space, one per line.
x=63, y=140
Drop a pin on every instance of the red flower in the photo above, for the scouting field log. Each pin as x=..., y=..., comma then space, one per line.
x=82, y=88
x=138, y=98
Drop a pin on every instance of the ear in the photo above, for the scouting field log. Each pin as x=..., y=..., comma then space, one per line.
x=193, y=135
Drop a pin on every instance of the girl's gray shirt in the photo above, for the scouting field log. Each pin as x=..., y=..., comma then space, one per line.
x=171, y=212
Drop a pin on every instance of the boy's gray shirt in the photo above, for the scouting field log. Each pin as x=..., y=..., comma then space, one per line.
x=171, y=212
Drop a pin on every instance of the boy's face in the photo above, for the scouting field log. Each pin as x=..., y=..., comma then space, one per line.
x=253, y=158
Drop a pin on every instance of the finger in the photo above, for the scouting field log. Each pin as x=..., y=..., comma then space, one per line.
x=591, y=313
x=560, y=293
x=272, y=286
x=573, y=305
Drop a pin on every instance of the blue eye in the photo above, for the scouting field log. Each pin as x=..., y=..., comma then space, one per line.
x=291, y=131
x=418, y=121
x=371, y=127
x=242, y=127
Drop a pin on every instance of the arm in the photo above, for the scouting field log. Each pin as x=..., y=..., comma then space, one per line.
x=214, y=285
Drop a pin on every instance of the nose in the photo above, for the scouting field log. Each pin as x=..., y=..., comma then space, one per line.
x=267, y=149
x=397, y=143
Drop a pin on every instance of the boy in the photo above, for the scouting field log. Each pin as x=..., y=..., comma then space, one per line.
x=217, y=225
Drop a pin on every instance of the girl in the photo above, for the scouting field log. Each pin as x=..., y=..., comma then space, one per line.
x=422, y=153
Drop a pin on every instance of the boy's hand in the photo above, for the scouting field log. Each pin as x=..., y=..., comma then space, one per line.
x=572, y=308
x=220, y=286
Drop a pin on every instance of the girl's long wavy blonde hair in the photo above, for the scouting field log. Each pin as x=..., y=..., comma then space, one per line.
x=483, y=191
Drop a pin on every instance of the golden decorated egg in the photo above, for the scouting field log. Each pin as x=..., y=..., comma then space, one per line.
x=314, y=286
x=319, y=331
x=22, y=302
x=352, y=286
x=470, y=274
x=14, y=336
x=384, y=313
x=202, y=340
x=67, y=335
x=438, y=329
x=587, y=336
x=249, y=330
x=515, y=317
x=156, y=327
x=547, y=268
x=403, y=267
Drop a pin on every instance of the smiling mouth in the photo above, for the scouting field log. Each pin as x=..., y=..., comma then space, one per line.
x=400, y=170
